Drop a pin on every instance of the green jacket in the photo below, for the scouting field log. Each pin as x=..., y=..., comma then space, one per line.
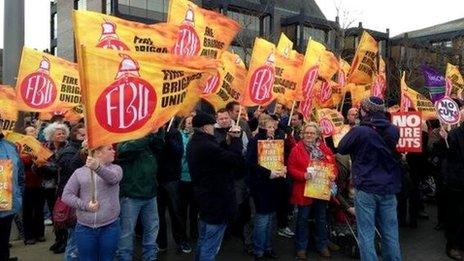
x=138, y=159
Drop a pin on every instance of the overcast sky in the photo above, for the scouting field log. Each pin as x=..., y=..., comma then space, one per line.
x=398, y=15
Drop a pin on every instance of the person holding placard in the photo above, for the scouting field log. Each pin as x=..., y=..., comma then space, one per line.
x=265, y=159
x=11, y=171
x=304, y=165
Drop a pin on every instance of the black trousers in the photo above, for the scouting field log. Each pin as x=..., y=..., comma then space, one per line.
x=169, y=199
x=454, y=226
x=283, y=205
x=189, y=209
x=5, y=230
x=33, y=214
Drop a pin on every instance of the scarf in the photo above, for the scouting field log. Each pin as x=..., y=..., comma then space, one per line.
x=315, y=151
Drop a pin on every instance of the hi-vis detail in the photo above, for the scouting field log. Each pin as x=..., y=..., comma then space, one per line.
x=127, y=103
x=38, y=90
x=188, y=42
x=109, y=39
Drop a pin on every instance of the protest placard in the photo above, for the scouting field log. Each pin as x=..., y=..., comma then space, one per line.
x=409, y=124
x=271, y=154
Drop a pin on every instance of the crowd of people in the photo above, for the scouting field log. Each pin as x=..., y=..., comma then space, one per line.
x=204, y=171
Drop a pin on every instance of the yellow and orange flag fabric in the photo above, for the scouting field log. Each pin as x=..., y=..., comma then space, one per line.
x=364, y=63
x=285, y=47
x=261, y=74
x=94, y=29
x=202, y=32
x=379, y=85
x=8, y=107
x=453, y=74
x=308, y=75
x=358, y=93
x=29, y=145
x=46, y=82
x=327, y=94
x=229, y=83
x=73, y=115
x=131, y=93
x=6, y=179
x=412, y=99
x=330, y=121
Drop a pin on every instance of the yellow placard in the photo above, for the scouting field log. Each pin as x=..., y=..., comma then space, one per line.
x=202, y=32
x=271, y=154
x=229, y=84
x=364, y=64
x=131, y=93
x=29, y=145
x=6, y=184
x=319, y=185
x=46, y=82
x=8, y=108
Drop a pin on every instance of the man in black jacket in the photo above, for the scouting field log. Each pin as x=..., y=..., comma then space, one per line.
x=211, y=166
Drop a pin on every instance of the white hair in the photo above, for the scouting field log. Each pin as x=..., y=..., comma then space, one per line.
x=51, y=128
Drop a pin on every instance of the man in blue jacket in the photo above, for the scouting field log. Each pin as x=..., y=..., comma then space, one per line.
x=8, y=152
x=376, y=173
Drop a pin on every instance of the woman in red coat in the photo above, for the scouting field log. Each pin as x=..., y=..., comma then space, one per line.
x=306, y=153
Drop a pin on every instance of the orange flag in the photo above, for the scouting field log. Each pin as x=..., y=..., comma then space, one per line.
x=328, y=65
x=285, y=46
x=105, y=31
x=202, y=32
x=46, y=82
x=131, y=93
x=73, y=115
x=379, y=86
x=327, y=94
x=364, y=64
x=358, y=93
x=29, y=145
x=230, y=82
x=453, y=74
x=330, y=120
x=285, y=86
x=8, y=107
x=261, y=74
x=308, y=75
x=6, y=179
x=412, y=99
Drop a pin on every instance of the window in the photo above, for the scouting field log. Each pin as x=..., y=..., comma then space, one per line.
x=244, y=53
x=108, y=7
x=81, y=4
x=55, y=25
x=149, y=9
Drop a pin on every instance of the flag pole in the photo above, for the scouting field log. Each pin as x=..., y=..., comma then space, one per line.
x=239, y=115
x=291, y=113
x=170, y=123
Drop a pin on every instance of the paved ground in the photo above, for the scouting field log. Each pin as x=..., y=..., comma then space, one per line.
x=419, y=244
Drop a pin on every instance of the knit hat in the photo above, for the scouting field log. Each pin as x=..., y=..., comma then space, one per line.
x=202, y=119
x=373, y=104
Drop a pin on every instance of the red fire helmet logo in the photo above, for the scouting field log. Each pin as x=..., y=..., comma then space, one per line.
x=212, y=84
x=309, y=80
x=327, y=127
x=406, y=102
x=379, y=86
x=188, y=42
x=261, y=82
x=326, y=92
x=38, y=90
x=127, y=103
x=109, y=39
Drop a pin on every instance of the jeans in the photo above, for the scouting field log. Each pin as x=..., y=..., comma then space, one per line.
x=380, y=209
x=262, y=233
x=209, y=241
x=131, y=208
x=71, y=253
x=169, y=199
x=301, y=231
x=97, y=243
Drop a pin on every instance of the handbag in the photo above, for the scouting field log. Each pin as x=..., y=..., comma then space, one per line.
x=64, y=216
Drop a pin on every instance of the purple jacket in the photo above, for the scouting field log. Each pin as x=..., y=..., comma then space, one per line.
x=77, y=193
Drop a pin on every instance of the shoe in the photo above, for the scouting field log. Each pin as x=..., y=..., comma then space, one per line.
x=10, y=245
x=332, y=246
x=423, y=215
x=162, y=250
x=40, y=239
x=248, y=249
x=60, y=249
x=29, y=242
x=13, y=259
x=454, y=254
x=301, y=255
x=270, y=254
x=259, y=258
x=185, y=248
x=285, y=232
x=54, y=246
x=325, y=252
x=439, y=226
x=48, y=222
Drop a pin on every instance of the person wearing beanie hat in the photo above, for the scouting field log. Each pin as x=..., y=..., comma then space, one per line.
x=212, y=166
x=376, y=174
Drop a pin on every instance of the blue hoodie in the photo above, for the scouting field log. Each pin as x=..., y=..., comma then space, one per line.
x=372, y=147
x=8, y=151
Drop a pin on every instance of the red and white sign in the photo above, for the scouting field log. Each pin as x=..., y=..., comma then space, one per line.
x=410, y=124
x=448, y=111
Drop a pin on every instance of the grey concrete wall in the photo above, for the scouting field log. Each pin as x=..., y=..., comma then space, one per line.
x=65, y=39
